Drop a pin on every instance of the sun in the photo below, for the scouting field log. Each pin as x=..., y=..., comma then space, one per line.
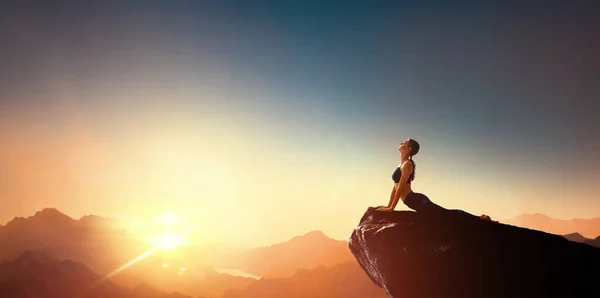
x=169, y=219
x=169, y=241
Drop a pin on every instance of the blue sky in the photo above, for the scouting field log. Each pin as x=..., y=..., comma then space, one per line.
x=501, y=90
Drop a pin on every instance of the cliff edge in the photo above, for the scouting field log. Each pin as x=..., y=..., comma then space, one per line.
x=415, y=255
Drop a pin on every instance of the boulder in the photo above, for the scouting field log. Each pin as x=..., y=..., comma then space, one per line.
x=449, y=254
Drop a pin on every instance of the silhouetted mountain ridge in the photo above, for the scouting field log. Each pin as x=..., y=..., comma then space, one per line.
x=35, y=275
x=98, y=221
x=594, y=242
x=301, y=252
x=588, y=228
x=344, y=280
x=91, y=240
x=311, y=237
x=46, y=215
x=34, y=257
x=576, y=237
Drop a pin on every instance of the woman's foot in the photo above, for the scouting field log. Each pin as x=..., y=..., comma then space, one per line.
x=487, y=217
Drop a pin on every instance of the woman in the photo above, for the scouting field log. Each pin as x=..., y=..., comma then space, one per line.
x=403, y=176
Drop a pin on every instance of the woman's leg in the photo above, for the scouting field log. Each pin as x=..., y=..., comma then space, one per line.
x=421, y=203
x=413, y=201
x=461, y=212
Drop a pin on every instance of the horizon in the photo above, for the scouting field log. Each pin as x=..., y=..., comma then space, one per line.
x=172, y=221
x=239, y=243
x=267, y=120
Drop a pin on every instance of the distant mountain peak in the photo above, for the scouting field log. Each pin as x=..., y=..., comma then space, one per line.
x=576, y=237
x=51, y=215
x=544, y=216
x=305, y=251
x=27, y=255
x=316, y=233
x=90, y=218
x=312, y=236
x=585, y=227
x=52, y=211
x=34, y=257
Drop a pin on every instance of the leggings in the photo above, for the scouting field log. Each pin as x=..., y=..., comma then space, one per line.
x=421, y=203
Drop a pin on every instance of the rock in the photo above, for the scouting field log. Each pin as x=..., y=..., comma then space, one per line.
x=416, y=255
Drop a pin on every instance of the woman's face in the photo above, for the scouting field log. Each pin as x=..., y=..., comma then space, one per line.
x=404, y=146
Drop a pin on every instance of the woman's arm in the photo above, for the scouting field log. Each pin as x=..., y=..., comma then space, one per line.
x=392, y=196
x=396, y=197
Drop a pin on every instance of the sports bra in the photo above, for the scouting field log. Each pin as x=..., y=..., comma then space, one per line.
x=398, y=173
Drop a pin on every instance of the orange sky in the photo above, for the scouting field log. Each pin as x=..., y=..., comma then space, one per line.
x=225, y=175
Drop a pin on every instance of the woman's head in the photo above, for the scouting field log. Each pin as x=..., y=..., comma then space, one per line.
x=409, y=147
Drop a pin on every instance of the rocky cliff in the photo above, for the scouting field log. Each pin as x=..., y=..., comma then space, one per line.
x=413, y=255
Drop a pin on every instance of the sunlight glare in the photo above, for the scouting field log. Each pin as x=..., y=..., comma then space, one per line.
x=168, y=219
x=169, y=241
x=173, y=240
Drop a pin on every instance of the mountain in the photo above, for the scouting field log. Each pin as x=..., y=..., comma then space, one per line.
x=302, y=252
x=594, y=242
x=144, y=290
x=345, y=280
x=576, y=237
x=91, y=240
x=44, y=220
x=196, y=280
x=447, y=254
x=35, y=275
x=102, y=246
x=588, y=228
x=91, y=220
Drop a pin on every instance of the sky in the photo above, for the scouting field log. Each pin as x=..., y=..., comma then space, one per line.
x=263, y=120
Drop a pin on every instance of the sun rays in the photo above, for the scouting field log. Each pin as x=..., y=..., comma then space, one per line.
x=167, y=241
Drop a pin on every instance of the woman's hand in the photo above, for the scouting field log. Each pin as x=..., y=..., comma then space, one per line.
x=384, y=208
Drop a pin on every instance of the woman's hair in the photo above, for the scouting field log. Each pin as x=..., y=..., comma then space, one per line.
x=414, y=149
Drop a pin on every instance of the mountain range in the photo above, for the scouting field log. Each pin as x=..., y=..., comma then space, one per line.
x=93, y=246
x=91, y=240
x=345, y=280
x=588, y=228
x=51, y=254
x=36, y=274
x=302, y=252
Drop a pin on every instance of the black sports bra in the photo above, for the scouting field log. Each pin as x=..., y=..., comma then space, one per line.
x=398, y=173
